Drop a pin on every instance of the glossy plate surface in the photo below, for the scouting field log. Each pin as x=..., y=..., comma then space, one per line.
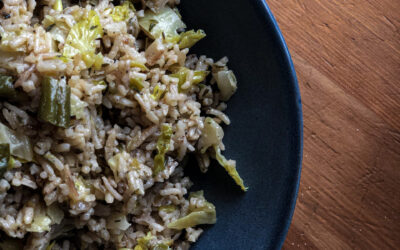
x=265, y=137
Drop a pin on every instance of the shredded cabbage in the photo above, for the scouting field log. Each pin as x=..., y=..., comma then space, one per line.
x=168, y=208
x=162, y=147
x=118, y=221
x=230, y=167
x=158, y=92
x=211, y=135
x=20, y=145
x=190, y=38
x=143, y=242
x=182, y=72
x=81, y=40
x=163, y=24
x=58, y=6
x=204, y=214
x=161, y=246
x=77, y=107
x=136, y=84
x=227, y=84
x=121, y=12
x=139, y=65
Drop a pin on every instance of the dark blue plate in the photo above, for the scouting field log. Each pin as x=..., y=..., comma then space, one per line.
x=265, y=136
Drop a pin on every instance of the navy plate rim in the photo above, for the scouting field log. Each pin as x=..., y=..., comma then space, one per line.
x=266, y=13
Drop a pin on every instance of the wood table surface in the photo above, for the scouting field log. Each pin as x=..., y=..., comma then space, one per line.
x=347, y=58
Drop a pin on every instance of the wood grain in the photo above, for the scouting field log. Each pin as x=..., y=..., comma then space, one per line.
x=347, y=57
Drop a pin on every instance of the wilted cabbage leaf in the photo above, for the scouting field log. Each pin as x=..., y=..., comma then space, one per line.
x=190, y=38
x=163, y=24
x=121, y=12
x=182, y=72
x=230, y=167
x=211, y=135
x=227, y=84
x=81, y=40
x=20, y=145
x=205, y=214
x=162, y=147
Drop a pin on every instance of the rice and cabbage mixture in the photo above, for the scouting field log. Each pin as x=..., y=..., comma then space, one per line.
x=101, y=103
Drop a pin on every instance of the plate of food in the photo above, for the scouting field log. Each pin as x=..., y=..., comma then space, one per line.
x=146, y=125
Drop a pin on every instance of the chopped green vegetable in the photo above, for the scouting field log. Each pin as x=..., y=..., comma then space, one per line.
x=58, y=6
x=230, y=167
x=55, y=102
x=121, y=12
x=136, y=84
x=51, y=245
x=163, y=24
x=227, y=83
x=101, y=82
x=162, y=147
x=20, y=145
x=139, y=65
x=81, y=40
x=143, y=242
x=77, y=107
x=62, y=58
x=158, y=92
x=190, y=38
x=4, y=158
x=7, y=90
x=205, y=214
x=181, y=74
x=168, y=208
x=211, y=135
x=161, y=246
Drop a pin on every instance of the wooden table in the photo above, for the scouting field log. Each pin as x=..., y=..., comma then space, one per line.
x=347, y=57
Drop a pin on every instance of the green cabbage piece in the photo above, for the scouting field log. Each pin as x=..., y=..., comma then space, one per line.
x=20, y=145
x=162, y=147
x=77, y=107
x=197, y=215
x=58, y=6
x=168, y=208
x=190, y=38
x=81, y=40
x=227, y=84
x=181, y=73
x=158, y=92
x=139, y=65
x=230, y=167
x=161, y=246
x=144, y=242
x=163, y=24
x=136, y=84
x=121, y=12
x=211, y=135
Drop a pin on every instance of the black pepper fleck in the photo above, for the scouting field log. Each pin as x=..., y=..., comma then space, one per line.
x=6, y=15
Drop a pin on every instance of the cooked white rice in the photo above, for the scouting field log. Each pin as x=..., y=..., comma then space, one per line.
x=69, y=196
